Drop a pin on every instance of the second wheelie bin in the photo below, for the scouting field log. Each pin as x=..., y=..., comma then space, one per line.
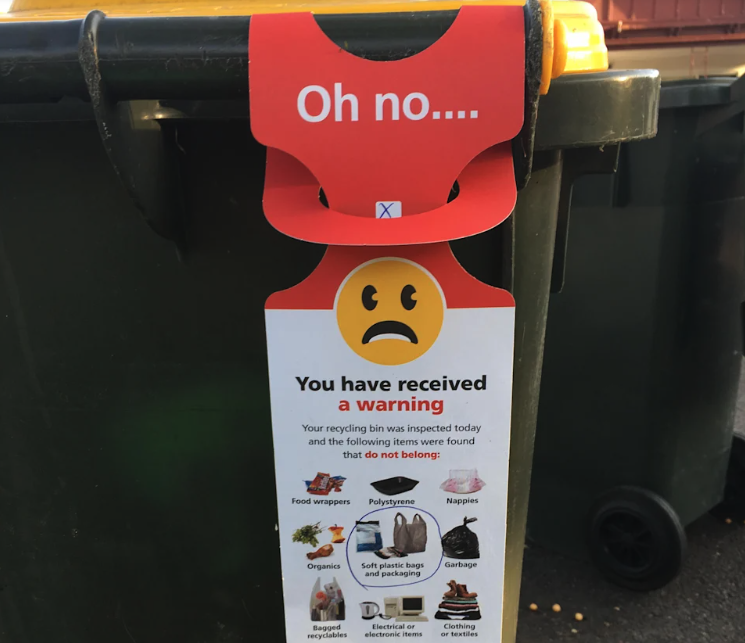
x=644, y=344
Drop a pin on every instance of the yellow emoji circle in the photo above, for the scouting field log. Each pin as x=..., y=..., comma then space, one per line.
x=390, y=311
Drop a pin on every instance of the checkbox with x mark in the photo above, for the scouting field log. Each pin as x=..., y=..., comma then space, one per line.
x=388, y=210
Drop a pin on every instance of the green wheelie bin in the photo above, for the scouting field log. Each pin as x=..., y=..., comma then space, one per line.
x=137, y=491
x=644, y=345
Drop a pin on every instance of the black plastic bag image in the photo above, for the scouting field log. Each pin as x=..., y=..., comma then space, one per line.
x=461, y=542
x=394, y=486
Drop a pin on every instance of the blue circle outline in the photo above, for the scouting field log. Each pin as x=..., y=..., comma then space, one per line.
x=398, y=507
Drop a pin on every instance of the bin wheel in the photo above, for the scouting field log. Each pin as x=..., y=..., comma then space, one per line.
x=636, y=539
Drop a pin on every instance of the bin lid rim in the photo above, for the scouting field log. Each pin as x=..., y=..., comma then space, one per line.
x=700, y=92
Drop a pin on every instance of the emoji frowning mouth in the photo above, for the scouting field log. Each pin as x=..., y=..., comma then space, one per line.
x=384, y=330
x=390, y=311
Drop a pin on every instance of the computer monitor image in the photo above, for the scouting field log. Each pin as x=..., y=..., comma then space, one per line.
x=411, y=605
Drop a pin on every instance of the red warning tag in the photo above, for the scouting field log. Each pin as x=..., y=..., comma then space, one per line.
x=390, y=371
x=387, y=140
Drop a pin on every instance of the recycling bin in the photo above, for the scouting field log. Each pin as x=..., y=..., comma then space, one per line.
x=644, y=345
x=136, y=472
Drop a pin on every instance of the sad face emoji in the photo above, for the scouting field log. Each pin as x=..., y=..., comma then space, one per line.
x=390, y=311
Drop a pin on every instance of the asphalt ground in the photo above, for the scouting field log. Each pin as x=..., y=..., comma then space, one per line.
x=705, y=603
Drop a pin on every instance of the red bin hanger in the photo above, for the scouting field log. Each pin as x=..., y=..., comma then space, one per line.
x=387, y=140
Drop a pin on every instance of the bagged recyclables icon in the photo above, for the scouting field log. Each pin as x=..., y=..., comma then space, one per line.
x=327, y=604
x=461, y=542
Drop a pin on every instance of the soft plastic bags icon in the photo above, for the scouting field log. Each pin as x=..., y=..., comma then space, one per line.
x=410, y=537
x=368, y=536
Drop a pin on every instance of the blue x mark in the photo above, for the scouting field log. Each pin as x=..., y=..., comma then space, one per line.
x=386, y=211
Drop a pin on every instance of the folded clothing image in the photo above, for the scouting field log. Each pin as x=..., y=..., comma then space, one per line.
x=458, y=604
x=467, y=616
x=394, y=486
x=460, y=601
x=455, y=606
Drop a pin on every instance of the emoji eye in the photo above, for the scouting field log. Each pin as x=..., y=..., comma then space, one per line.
x=368, y=292
x=407, y=301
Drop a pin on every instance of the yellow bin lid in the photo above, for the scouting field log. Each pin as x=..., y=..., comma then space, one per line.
x=574, y=41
